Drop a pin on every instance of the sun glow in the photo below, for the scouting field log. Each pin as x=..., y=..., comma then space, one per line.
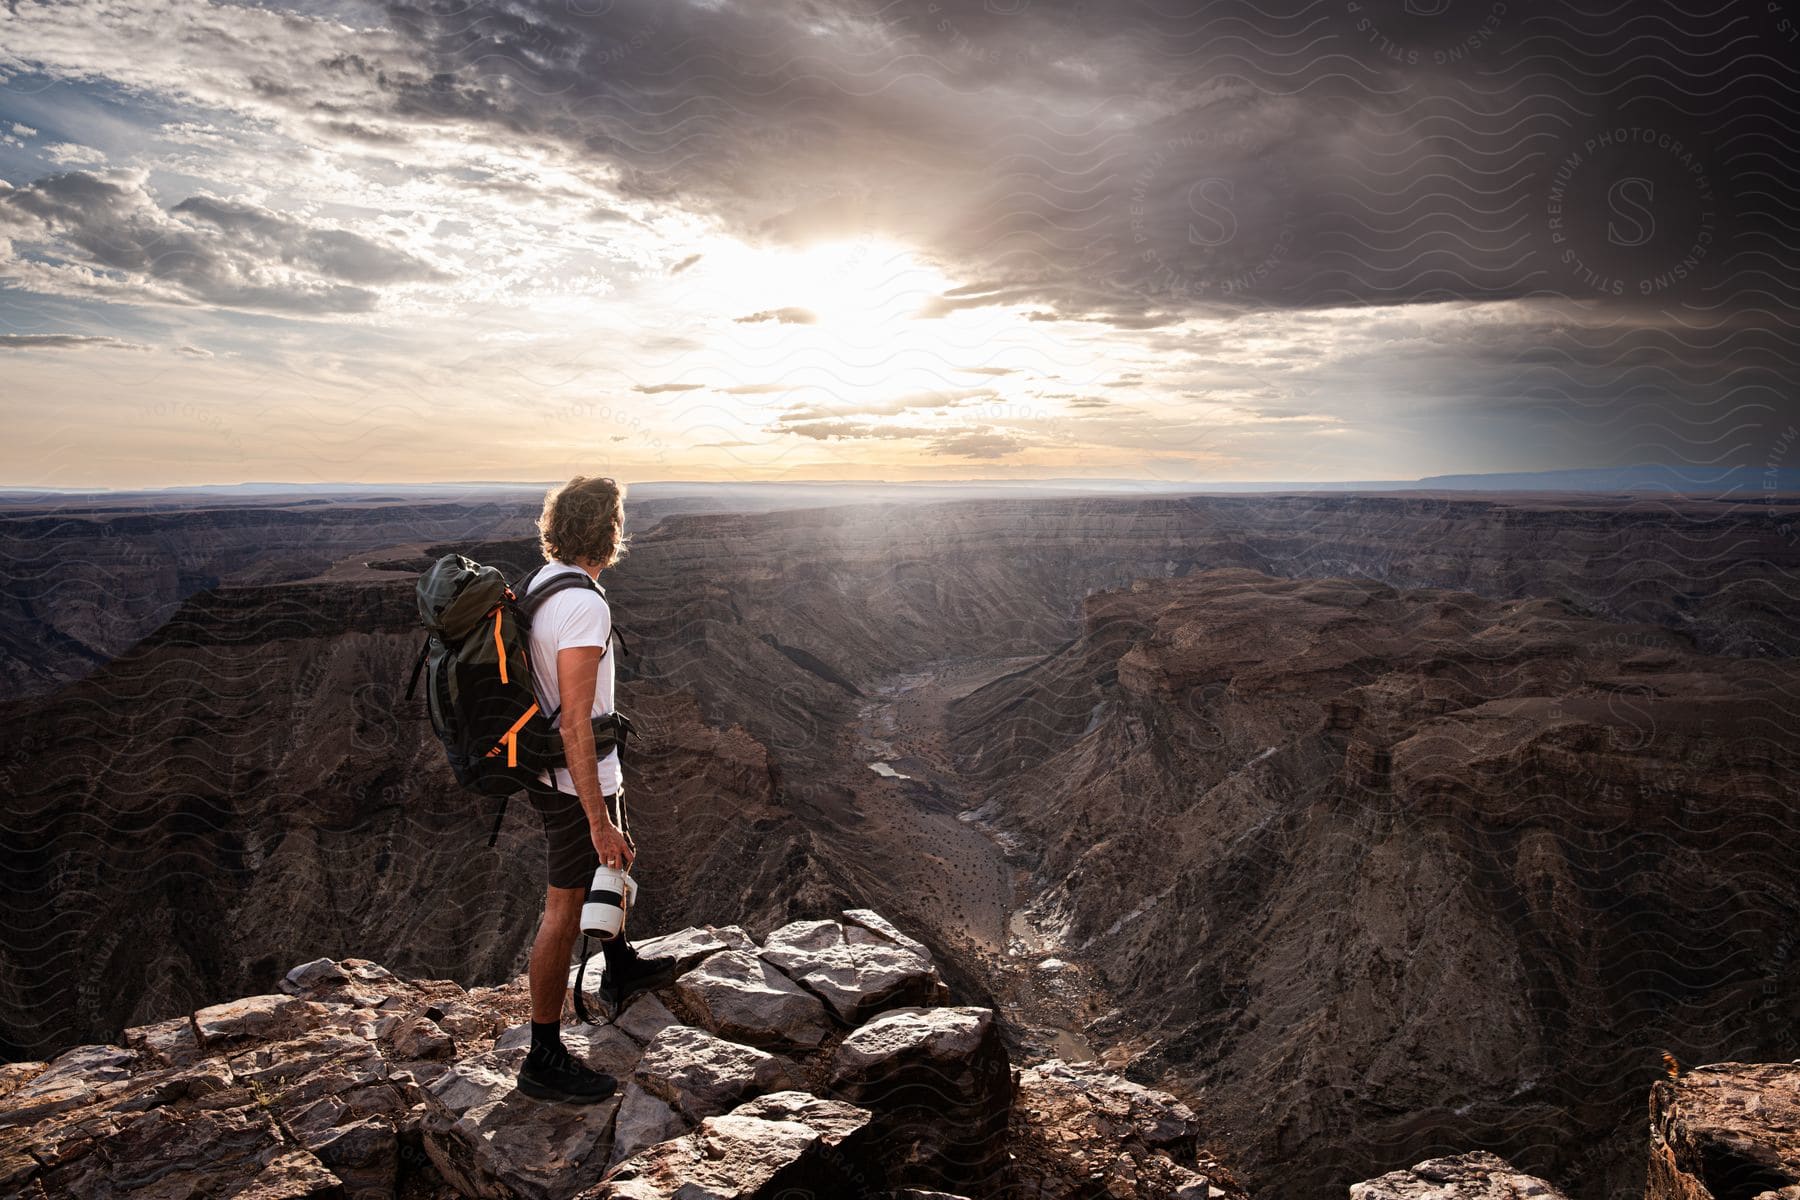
x=860, y=290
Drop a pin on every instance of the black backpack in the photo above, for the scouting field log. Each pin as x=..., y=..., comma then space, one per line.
x=476, y=662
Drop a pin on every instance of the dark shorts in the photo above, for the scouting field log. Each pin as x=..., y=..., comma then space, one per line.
x=569, y=855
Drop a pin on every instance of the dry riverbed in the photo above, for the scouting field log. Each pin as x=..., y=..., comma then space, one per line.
x=915, y=828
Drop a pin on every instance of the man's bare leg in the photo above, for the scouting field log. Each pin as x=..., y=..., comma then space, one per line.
x=549, y=972
x=549, y=1071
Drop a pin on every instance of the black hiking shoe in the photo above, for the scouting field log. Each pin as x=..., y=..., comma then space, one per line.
x=634, y=975
x=557, y=1075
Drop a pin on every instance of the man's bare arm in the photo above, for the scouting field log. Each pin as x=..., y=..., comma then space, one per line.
x=578, y=671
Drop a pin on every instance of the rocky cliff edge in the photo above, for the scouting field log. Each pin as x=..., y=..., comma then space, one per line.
x=1729, y=1131
x=827, y=1061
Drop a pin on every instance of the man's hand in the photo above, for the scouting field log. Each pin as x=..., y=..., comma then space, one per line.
x=614, y=849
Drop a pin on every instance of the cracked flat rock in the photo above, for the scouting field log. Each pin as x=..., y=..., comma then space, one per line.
x=76, y=1077
x=489, y=1140
x=162, y=1156
x=689, y=947
x=269, y=1018
x=855, y=970
x=1474, y=1176
x=835, y=1122
x=741, y=997
x=686, y=1075
x=736, y=1157
x=701, y=1075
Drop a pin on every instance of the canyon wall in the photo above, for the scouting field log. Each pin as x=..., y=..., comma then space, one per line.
x=1376, y=910
x=82, y=587
x=1383, y=874
x=248, y=785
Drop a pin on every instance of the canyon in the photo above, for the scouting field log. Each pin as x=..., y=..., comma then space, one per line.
x=1375, y=826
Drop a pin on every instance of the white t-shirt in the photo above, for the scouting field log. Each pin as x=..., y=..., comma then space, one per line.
x=575, y=616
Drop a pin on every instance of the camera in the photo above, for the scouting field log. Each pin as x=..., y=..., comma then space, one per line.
x=610, y=896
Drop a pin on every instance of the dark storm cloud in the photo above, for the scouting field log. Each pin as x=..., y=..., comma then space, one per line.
x=106, y=235
x=1128, y=164
x=1122, y=168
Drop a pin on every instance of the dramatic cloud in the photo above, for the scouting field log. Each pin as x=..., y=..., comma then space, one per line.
x=85, y=233
x=1379, y=238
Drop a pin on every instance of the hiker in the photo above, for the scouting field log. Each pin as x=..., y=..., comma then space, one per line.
x=582, y=804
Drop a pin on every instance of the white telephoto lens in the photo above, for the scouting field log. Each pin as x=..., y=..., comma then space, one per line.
x=609, y=896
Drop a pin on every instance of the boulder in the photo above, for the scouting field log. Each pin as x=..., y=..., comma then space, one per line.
x=488, y=1140
x=1076, y=1123
x=644, y=1119
x=1474, y=1176
x=167, y=1043
x=702, y=1075
x=320, y=973
x=857, y=972
x=690, y=947
x=645, y=1017
x=270, y=1018
x=737, y=1157
x=686, y=1075
x=354, y=981
x=873, y=922
x=421, y=1038
x=739, y=996
x=468, y=1021
x=1725, y=1130
x=941, y=1087
x=840, y=1125
x=364, y=1154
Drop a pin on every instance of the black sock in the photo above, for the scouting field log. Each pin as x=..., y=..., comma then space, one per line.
x=619, y=952
x=546, y=1037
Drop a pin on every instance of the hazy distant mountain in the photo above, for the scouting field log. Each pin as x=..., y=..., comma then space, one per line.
x=1741, y=482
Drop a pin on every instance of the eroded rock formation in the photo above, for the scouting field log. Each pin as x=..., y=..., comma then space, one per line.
x=355, y=1082
x=80, y=587
x=249, y=786
x=1729, y=1131
x=1384, y=870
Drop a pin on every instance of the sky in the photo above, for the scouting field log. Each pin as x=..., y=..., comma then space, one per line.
x=1300, y=240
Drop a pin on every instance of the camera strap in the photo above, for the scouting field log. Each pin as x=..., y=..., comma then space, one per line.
x=581, y=1011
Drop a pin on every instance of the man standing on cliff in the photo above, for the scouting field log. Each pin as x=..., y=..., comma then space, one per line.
x=583, y=803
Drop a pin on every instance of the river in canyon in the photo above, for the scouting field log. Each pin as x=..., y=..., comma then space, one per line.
x=916, y=821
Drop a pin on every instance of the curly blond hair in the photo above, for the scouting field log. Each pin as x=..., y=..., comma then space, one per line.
x=584, y=519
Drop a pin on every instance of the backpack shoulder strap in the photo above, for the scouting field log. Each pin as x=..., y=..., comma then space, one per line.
x=530, y=600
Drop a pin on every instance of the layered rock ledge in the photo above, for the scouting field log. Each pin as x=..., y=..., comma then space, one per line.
x=1729, y=1131
x=827, y=1061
